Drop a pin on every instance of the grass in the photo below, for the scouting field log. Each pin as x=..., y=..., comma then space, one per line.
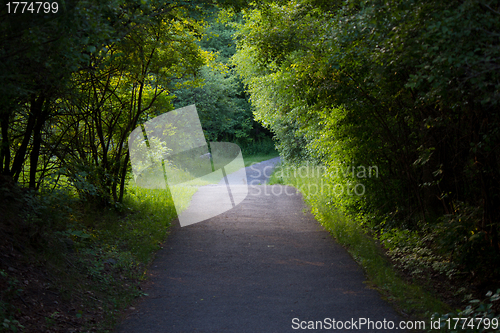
x=252, y=159
x=134, y=237
x=411, y=299
x=96, y=257
x=112, y=249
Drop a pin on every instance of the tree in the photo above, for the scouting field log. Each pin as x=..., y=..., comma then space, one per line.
x=39, y=55
x=75, y=82
x=221, y=101
x=411, y=87
x=124, y=85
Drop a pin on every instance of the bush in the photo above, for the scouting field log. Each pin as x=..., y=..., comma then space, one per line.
x=458, y=236
x=479, y=316
x=411, y=252
x=261, y=147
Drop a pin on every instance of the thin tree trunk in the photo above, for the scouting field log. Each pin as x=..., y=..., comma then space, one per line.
x=35, y=150
x=123, y=176
x=5, y=145
x=36, y=110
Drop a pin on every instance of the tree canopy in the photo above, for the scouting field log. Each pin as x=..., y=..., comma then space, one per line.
x=76, y=82
x=411, y=87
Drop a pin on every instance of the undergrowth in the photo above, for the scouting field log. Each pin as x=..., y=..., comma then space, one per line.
x=93, y=258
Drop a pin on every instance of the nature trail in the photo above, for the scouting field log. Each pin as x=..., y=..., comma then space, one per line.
x=264, y=266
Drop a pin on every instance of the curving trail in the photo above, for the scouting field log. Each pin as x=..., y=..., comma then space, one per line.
x=254, y=269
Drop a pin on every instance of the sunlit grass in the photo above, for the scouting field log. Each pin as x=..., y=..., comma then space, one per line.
x=348, y=232
x=152, y=211
x=127, y=235
x=252, y=159
x=147, y=215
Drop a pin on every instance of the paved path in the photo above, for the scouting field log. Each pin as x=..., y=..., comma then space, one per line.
x=259, y=173
x=264, y=266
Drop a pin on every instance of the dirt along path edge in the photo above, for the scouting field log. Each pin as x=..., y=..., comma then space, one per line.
x=264, y=266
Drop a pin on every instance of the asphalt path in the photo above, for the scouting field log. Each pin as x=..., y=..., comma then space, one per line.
x=258, y=174
x=264, y=266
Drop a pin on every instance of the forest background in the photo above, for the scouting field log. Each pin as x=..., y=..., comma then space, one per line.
x=75, y=81
x=410, y=88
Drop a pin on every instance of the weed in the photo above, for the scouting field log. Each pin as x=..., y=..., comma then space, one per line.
x=410, y=251
x=95, y=255
x=479, y=316
x=10, y=290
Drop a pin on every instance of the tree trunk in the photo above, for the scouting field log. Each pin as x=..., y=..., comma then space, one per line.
x=35, y=150
x=35, y=112
x=5, y=144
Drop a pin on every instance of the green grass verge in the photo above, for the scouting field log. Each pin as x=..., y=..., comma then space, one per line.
x=252, y=159
x=97, y=257
x=409, y=298
x=127, y=237
x=110, y=250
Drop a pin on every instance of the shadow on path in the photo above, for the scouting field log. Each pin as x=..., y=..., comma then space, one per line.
x=254, y=269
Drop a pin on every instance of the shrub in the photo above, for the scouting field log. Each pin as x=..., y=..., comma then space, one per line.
x=479, y=316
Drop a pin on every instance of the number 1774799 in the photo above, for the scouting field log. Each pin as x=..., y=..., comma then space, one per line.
x=37, y=7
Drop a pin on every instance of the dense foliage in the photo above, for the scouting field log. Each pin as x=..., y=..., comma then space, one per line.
x=409, y=88
x=75, y=83
x=222, y=103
